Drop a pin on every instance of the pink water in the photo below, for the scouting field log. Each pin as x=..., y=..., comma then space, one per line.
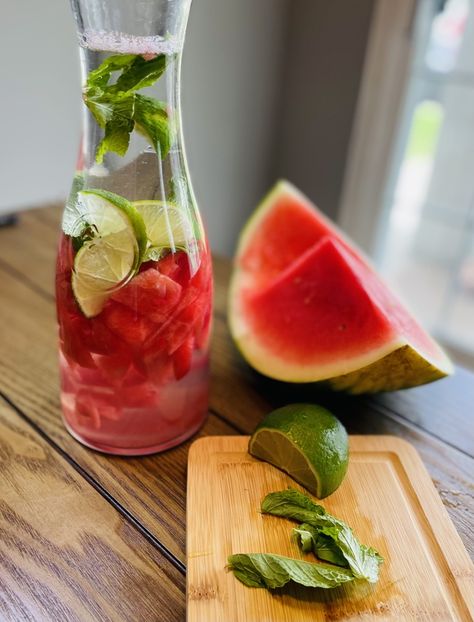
x=134, y=379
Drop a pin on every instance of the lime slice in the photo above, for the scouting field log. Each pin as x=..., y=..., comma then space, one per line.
x=112, y=255
x=166, y=225
x=108, y=213
x=307, y=442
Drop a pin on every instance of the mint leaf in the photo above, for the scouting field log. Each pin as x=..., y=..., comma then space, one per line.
x=117, y=128
x=292, y=504
x=100, y=104
x=305, y=535
x=364, y=561
x=141, y=73
x=100, y=77
x=152, y=121
x=311, y=540
x=274, y=571
x=326, y=549
x=118, y=109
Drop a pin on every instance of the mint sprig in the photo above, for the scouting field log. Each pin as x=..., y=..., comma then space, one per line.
x=119, y=109
x=329, y=538
x=364, y=561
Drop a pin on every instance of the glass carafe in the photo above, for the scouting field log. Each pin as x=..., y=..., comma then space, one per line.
x=134, y=279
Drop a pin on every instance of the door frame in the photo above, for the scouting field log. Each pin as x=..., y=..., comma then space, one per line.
x=381, y=96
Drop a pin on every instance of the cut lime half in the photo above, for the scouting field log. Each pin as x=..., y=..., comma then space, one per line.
x=307, y=442
x=113, y=251
x=166, y=225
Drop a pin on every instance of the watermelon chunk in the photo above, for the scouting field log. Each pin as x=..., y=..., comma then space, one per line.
x=93, y=405
x=72, y=344
x=153, y=294
x=182, y=358
x=132, y=328
x=306, y=306
x=176, y=267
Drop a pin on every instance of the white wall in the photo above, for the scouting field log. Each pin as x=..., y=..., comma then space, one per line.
x=39, y=102
x=231, y=71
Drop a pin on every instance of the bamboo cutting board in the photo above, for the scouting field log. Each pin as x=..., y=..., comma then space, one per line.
x=387, y=498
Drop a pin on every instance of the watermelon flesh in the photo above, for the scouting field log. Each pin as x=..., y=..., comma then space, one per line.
x=306, y=306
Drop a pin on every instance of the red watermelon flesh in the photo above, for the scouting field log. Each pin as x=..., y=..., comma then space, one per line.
x=306, y=306
x=327, y=304
x=282, y=234
x=154, y=294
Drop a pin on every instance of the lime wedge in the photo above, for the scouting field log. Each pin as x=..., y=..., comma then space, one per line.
x=166, y=225
x=307, y=442
x=113, y=252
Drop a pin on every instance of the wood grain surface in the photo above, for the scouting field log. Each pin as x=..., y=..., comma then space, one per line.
x=149, y=493
x=65, y=553
x=28, y=377
x=387, y=498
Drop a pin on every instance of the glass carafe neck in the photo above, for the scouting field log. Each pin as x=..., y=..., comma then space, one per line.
x=131, y=57
x=132, y=141
x=148, y=21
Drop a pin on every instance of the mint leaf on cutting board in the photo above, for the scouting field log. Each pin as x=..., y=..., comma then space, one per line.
x=364, y=561
x=291, y=503
x=310, y=539
x=274, y=571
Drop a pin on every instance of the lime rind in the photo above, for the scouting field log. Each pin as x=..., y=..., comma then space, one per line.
x=307, y=442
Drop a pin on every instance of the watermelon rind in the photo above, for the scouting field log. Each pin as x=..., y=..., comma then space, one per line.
x=396, y=365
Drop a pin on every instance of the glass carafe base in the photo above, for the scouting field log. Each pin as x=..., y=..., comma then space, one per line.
x=135, y=451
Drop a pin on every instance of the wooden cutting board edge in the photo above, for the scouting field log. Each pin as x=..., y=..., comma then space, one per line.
x=418, y=483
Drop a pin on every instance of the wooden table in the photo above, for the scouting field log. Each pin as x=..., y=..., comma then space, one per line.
x=85, y=536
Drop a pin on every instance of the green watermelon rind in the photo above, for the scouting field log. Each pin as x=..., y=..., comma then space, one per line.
x=397, y=365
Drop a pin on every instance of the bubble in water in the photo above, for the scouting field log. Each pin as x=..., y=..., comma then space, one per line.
x=123, y=43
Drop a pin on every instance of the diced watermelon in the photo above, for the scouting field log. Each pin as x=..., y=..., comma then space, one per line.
x=72, y=344
x=154, y=362
x=150, y=294
x=143, y=395
x=203, y=331
x=159, y=368
x=92, y=405
x=176, y=267
x=134, y=329
x=182, y=358
x=114, y=367
x=180, y=328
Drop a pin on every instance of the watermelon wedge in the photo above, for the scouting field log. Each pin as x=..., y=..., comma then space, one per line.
x=306, y=306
